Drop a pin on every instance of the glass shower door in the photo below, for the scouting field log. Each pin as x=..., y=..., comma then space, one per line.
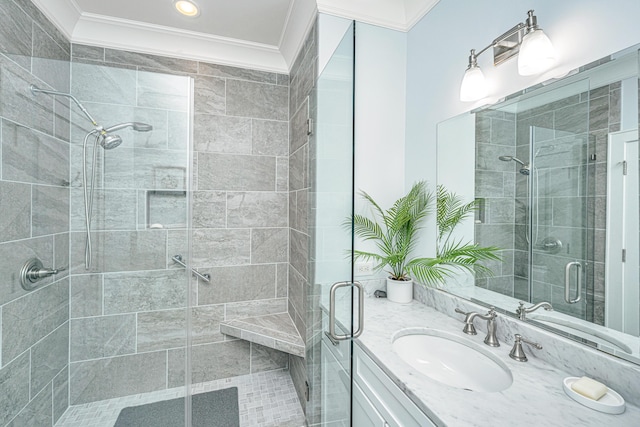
x=332, y=299
x=560, y=166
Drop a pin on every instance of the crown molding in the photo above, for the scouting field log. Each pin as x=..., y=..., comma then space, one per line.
x=64, y=14
x=135, y=36
x=109, y=32
x=302, y=15
x=399, y=15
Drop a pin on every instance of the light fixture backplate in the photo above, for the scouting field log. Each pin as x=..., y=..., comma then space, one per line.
x=508, y=45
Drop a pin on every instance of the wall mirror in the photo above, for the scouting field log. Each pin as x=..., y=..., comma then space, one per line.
x=554, y=169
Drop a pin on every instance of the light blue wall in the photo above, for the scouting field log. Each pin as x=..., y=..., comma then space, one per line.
x=438, y=47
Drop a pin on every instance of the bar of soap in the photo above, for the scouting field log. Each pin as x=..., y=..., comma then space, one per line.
x=589, y=388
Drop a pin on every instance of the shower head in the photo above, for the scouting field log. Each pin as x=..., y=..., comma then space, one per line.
x=137, y=126
x=110, y=141
x=524, y=170
x=510, y=158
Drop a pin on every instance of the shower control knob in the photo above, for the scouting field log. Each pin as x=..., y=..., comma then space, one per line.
x=32, y=271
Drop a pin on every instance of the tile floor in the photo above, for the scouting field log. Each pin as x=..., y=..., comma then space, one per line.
x=266, y=399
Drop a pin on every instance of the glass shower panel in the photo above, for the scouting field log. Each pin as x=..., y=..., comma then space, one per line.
x=331, y=164
x=129, y=319
x=558, y=183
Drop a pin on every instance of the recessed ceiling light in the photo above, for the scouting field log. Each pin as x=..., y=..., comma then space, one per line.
x=187, y=8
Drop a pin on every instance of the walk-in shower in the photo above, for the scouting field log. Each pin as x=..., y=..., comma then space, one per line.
x=107, y=140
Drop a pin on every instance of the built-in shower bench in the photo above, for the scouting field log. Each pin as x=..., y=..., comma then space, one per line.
x=274, y=330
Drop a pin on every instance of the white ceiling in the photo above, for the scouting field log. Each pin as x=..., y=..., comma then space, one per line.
x=260, y=34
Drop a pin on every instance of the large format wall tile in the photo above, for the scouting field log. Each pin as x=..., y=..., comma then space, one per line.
x=60, y=394
x=241, y=283
x=164, y=91
x=109, y=85
x=15, y=32
x=209, y=95
x=121, y=250
x=222, y=134
x=220, y=247
x=269, y=245
x=29, y=319
x=257, y=100
x=236, y=172
x=257, y=209
x=33, y=157
x=142, y=291
x=104, y=336
x=15, y=211
x=160, y=330
x=211, y=362
x=19, y=104
x=37, y=412
x=270, y=138
x=117, y=376
x=209, y=209
x=236, y=73
x=14, y=387
x=49, y=357
x=50, y=61
x=85, y=295
x=50, y=210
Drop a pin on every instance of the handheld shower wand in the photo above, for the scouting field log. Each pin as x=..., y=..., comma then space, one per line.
x=108, y=141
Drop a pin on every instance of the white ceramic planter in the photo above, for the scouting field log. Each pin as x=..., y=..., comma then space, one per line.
x=400, y=291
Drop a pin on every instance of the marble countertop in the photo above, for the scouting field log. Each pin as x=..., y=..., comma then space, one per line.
x=535, y=398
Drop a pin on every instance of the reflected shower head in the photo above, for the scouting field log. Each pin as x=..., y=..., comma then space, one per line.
x=524, y=170
x=110, y=141
x=510, y=158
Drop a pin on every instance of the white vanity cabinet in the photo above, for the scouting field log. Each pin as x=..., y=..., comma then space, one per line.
x=378, y=401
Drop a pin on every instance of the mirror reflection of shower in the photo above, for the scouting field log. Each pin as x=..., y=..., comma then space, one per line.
x=108, y=141
x=524, y=170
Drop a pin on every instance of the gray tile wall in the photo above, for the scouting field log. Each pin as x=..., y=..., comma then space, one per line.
x=130, y=310
x=300, y=301
x=34, y=216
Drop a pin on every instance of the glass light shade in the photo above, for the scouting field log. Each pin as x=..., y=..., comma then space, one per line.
x=536, y=53
x=187, y=8
x=473, y=85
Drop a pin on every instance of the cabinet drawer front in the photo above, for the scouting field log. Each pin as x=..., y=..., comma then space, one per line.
x=364, y=413
x=396, y=408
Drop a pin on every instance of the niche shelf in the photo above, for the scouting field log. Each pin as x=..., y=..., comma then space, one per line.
x=276, y=331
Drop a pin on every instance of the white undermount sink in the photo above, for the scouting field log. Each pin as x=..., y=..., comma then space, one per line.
x=452, y=360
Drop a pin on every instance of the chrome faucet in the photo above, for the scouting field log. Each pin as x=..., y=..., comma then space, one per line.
x=490, y=317
x=522, y=312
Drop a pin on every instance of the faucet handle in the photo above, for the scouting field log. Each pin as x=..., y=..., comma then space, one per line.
x=469, y=328
x=517, y=353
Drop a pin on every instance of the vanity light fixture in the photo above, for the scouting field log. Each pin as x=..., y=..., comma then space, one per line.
x=187, y=8
x=535, y=55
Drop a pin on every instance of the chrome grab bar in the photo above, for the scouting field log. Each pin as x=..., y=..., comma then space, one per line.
x=332, y=312
x=567, y=285
x=206, y=277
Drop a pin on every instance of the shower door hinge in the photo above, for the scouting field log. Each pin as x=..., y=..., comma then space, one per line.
x=309, y=126
x=306, y=390
x=624, y=167
x=624, y=255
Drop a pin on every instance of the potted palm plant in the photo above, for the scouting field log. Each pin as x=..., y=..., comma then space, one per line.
x=395, y=230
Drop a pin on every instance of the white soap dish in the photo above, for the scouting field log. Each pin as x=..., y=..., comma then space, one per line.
x=610, y=403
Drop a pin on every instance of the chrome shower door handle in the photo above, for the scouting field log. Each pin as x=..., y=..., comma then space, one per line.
x=567, y=280
x=332, y=311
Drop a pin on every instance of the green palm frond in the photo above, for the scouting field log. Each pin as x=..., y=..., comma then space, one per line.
x=396, y=229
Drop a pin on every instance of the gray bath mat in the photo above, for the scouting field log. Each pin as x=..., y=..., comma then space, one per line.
x=217, y=408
